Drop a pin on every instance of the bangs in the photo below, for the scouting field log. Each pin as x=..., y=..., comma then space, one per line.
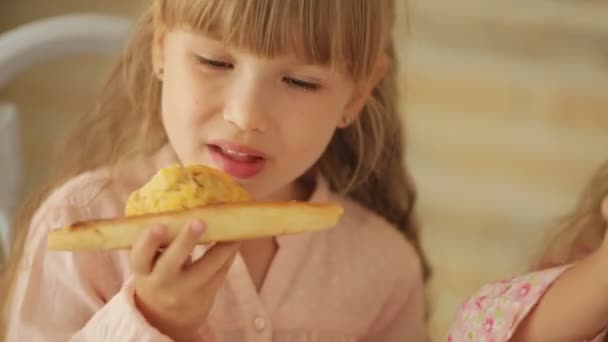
x=346, y=35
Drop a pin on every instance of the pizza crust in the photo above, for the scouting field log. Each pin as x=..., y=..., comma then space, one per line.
x=225, y=222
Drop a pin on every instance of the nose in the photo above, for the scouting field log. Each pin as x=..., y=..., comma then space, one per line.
x=247, y=104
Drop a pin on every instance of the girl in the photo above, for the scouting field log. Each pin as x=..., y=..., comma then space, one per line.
x=560, y=303
x=296, y=100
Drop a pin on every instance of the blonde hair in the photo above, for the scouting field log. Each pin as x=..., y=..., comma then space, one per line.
x=364, y=162
x=584, y=226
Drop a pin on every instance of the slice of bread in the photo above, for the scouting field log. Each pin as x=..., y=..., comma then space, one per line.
x=177, y=196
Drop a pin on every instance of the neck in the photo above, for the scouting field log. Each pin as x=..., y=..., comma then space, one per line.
x=299, y=190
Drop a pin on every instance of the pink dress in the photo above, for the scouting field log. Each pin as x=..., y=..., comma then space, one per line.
x=360, y=281
x=494, y=313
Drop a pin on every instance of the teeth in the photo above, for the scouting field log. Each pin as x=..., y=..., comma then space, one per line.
x=236, y=154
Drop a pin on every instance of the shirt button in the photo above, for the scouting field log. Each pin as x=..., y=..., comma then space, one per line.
x=259, y=323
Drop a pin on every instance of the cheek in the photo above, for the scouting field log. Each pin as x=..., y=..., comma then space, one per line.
x=173, y=112
x=179, y=115
x=183, y=105
x=310, y=130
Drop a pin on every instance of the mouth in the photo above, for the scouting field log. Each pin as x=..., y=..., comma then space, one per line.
x=235, y=154
x=238, y=161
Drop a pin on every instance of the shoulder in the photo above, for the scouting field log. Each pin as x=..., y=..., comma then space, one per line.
x=79, y=190
x=91, y=195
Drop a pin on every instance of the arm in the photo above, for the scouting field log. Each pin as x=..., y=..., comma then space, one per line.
x=497, y=309
x=574, y=308
x=540, y=306
x=64, y=296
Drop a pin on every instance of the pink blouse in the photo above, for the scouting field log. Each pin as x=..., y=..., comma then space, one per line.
x=360, y=281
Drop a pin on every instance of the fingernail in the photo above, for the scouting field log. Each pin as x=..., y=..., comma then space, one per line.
x=197, y=227
x=158, y=231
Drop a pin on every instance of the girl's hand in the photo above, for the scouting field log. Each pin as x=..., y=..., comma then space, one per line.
x=174, y=293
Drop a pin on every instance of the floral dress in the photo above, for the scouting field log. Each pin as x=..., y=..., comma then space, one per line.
x=493, y=314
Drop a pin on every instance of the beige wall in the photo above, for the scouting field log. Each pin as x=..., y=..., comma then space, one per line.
x=507, y=113
x=507, y=118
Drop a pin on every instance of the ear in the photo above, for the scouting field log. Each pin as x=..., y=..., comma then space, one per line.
x=364, y=90
x=158, y=40
x=605, y=208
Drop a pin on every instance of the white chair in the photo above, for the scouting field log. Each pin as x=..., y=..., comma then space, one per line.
x=11, y=166
x=39, y=42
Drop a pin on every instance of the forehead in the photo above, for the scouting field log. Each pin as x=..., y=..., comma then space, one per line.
x=332, y=33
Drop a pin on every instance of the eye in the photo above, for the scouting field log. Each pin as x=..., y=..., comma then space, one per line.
x=294, y=82
x=214, y=63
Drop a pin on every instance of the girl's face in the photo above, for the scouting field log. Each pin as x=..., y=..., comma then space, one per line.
x=263, y=121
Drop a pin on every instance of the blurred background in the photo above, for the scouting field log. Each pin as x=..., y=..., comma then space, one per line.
x=506, y=105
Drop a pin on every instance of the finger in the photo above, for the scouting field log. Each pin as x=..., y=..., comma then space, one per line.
x=188, y=262
x=144, y=251
x=218, y=256
x=210, y=287
x=159, y=252
x=208, y=292
x=178, y=252
x=217, y=280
